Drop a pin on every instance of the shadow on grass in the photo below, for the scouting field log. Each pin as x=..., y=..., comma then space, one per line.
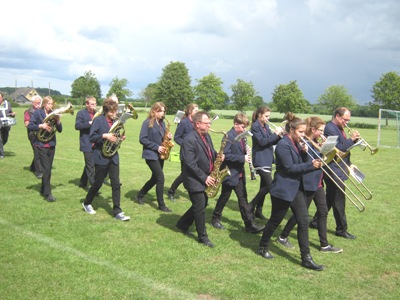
x=168, y=221
x=148, y=198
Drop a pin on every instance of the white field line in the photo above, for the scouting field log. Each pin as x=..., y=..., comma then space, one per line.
x=172, y=292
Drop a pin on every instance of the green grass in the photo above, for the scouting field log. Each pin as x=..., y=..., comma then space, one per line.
x=56, y=251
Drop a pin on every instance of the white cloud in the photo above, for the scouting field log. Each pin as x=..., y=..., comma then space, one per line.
x=316, y=42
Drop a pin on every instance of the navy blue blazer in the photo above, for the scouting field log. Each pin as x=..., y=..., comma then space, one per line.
x=183, y=129
x=262, y=146
x=234, y=159
x=290, y=167
x=82, y=124
x=37, y=118
x=343, y=143
x=312, y=179
x=151, y=138
x=196, y=162
x=99, y=127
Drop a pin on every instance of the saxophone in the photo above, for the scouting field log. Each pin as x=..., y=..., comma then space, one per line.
x=216, y=173
x=45, y=136
x=166, y=143
x=118, y=130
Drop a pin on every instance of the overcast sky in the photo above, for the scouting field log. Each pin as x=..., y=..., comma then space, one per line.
x=318, y=43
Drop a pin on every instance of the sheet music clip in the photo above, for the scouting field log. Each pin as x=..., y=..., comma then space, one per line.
x=329, y=144
x=178, y=117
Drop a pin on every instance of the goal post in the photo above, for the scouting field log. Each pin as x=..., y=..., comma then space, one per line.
x=388, y=128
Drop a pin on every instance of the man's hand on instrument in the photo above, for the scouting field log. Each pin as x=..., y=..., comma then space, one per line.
x=210, y=181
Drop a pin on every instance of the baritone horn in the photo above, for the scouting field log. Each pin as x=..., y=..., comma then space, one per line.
x=354, y=199
x=362, y=143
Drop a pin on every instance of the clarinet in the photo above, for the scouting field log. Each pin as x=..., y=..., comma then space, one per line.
x=252, y=171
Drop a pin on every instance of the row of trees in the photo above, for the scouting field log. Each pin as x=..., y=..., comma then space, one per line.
x=174, y=88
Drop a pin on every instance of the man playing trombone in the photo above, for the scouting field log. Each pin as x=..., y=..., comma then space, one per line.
x=335, y=197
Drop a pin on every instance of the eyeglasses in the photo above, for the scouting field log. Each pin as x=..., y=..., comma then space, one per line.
x=320, y=129
x=346, y=120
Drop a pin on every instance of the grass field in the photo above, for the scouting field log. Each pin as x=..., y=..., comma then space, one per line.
x=57, y=251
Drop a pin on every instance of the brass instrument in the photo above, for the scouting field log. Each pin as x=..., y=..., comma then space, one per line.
x=118, y=130
x=356, y=201
x=361, y=143
x=281, y=128
x=243, y=136
x=216, y=173
x=98, y=113
x=356, y=175
x=166, y=142
x=44, y=135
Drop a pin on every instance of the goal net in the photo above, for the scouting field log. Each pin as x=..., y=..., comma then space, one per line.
x=388, y=128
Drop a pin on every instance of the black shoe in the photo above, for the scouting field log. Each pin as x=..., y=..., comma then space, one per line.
x=207, y=243
x=254, y=228
x=263, y=251
x=346, y=235
x=39, y=176
x=171, y=196
x=217, y=224
x=50, y=198
x=185, y=231
x=308, y=263
x=259, y=214
x=81, y=185
x=165, y=209
x=313, y=225
x=139, y=199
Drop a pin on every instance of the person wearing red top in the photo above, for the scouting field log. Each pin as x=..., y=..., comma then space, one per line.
x=35, y=166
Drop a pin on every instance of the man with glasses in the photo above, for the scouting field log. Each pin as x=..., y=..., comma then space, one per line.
x=335, y=198
x=198, y=155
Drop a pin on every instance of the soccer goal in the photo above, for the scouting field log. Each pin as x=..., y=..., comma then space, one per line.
x=388, y=128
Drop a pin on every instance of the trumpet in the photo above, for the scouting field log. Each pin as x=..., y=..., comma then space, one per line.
x=280, y=128
x=354, y=199
x=362, y=143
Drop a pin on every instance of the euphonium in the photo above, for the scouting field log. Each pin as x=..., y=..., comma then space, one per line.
x=44, y=135
x=166, y=142
x=216, y=173
x=118, y=130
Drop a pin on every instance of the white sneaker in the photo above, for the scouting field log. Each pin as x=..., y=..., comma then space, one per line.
x=88, y=208
x=121, y=216
x=331, y=249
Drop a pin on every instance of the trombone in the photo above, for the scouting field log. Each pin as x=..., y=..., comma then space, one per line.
x=356, y=175
x=362, y=143
x=281, y=127
x=356, y=201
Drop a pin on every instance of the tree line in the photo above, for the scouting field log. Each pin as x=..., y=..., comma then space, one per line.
x=174, y=88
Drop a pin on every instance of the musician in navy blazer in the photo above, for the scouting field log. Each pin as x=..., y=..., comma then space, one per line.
x=185, y=126
x=314, y=190
x=237, y=153
x=263, y=155
x=198, y=156
x=287, y=189
x=83, y=123
x=151, y=137
x=99, y=133
x=336, y=199
x=46, y=150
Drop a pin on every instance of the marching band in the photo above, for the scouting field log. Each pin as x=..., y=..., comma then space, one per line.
x=307, y=166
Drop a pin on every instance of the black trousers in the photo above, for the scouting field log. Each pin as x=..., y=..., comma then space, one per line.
x=156, y=179
x=4, y=131
x=196, y=214
x=176, y=182
x=88, y=170
x=35, y=166
x=278, y=212
x=265, y=184
x=241, y=193
x=322, y=213
x=336, y=200
x=46, y=156
x=100, y=174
